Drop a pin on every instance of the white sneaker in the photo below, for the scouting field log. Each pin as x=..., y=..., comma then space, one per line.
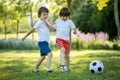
x=34, y=70
x=63, y=68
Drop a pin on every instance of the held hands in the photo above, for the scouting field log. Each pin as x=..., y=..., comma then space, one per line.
x=46, y=23
x=50, y=27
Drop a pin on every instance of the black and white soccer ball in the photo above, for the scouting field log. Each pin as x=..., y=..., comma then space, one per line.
x=96, y=67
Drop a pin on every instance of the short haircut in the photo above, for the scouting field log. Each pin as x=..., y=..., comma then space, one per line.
x=64, y=12
x=42, y=9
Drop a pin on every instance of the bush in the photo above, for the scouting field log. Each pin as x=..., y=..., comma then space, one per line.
x=77, y=44
x=14, y=43
x=116, y=45
x=92, y=44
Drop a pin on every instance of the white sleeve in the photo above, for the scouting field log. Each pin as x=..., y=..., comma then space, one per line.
x=37, y=24
x=72, y=25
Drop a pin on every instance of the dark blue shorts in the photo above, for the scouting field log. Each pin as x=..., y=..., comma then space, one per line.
x=44, y=48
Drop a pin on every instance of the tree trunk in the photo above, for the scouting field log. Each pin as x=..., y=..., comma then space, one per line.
x=69, y=2
x=4, y=22
x=31, y=22
x=17, y=28
x=117, y=17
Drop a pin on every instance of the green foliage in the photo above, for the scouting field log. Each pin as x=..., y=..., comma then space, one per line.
x=77, y=44
x=28, y=44
x=116, y=45
x=83, y=16
x=89, y=19
x=84, y=13
x=13, y=43
x=12, y=26
x=95, y=44
x=96, y=20
x=24, y=25
x=108, y=22
x=55, y=6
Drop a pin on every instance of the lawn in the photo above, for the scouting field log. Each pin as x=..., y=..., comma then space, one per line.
x=18, y=65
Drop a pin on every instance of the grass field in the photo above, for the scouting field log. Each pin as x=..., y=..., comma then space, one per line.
x=18, y=65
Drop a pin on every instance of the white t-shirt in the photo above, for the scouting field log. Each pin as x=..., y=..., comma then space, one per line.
x=63, y=28
x=42, y=30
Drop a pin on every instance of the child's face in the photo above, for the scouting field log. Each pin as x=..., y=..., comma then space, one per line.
x=64, y=18
x=44, y=15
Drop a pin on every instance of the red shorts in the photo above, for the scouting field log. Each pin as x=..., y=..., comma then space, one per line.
x=63, y=43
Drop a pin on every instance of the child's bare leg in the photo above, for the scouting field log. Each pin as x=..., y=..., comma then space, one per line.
x=39, y=62
x=62, y=55
x=48, y=63
x=67, y=61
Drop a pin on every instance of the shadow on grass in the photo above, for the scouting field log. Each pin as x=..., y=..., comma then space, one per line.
x=19, y=70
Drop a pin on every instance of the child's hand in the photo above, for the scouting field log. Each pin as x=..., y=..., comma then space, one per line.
x=46, y=23
x=75, y=31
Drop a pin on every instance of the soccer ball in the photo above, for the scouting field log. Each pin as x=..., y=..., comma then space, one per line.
x=96, y=67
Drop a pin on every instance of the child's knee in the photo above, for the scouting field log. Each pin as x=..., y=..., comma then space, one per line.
x=63, y=49
x=43, y=57
x=50, y=54
x=67, y=56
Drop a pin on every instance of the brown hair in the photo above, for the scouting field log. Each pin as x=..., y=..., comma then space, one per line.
x=64, y=12
x=42, y=9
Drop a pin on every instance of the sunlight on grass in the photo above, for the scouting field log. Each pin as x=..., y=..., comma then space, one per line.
x=18, y=64
x=76, y=53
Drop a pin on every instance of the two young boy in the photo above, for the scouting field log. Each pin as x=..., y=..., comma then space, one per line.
x=63, y=27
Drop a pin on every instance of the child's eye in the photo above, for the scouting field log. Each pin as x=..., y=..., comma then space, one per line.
x=45, y=14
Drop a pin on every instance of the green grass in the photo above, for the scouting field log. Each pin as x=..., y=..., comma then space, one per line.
x=18, y=65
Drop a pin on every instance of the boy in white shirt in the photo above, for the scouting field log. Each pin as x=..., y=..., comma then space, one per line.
x=43, y=34
x=63, y=27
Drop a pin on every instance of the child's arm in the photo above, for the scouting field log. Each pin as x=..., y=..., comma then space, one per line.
x=28, y=33
x=49, y=25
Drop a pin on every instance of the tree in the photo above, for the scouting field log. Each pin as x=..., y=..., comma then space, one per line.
x=4, y=14
x=20, y=9
x=82, y=15
x=69, y=3
x=103, y=3
x=31, y=14
x=117, y=17
x=32, y=8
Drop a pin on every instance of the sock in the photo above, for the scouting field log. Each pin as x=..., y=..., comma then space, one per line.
x=48, y=69
x=35, y=70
